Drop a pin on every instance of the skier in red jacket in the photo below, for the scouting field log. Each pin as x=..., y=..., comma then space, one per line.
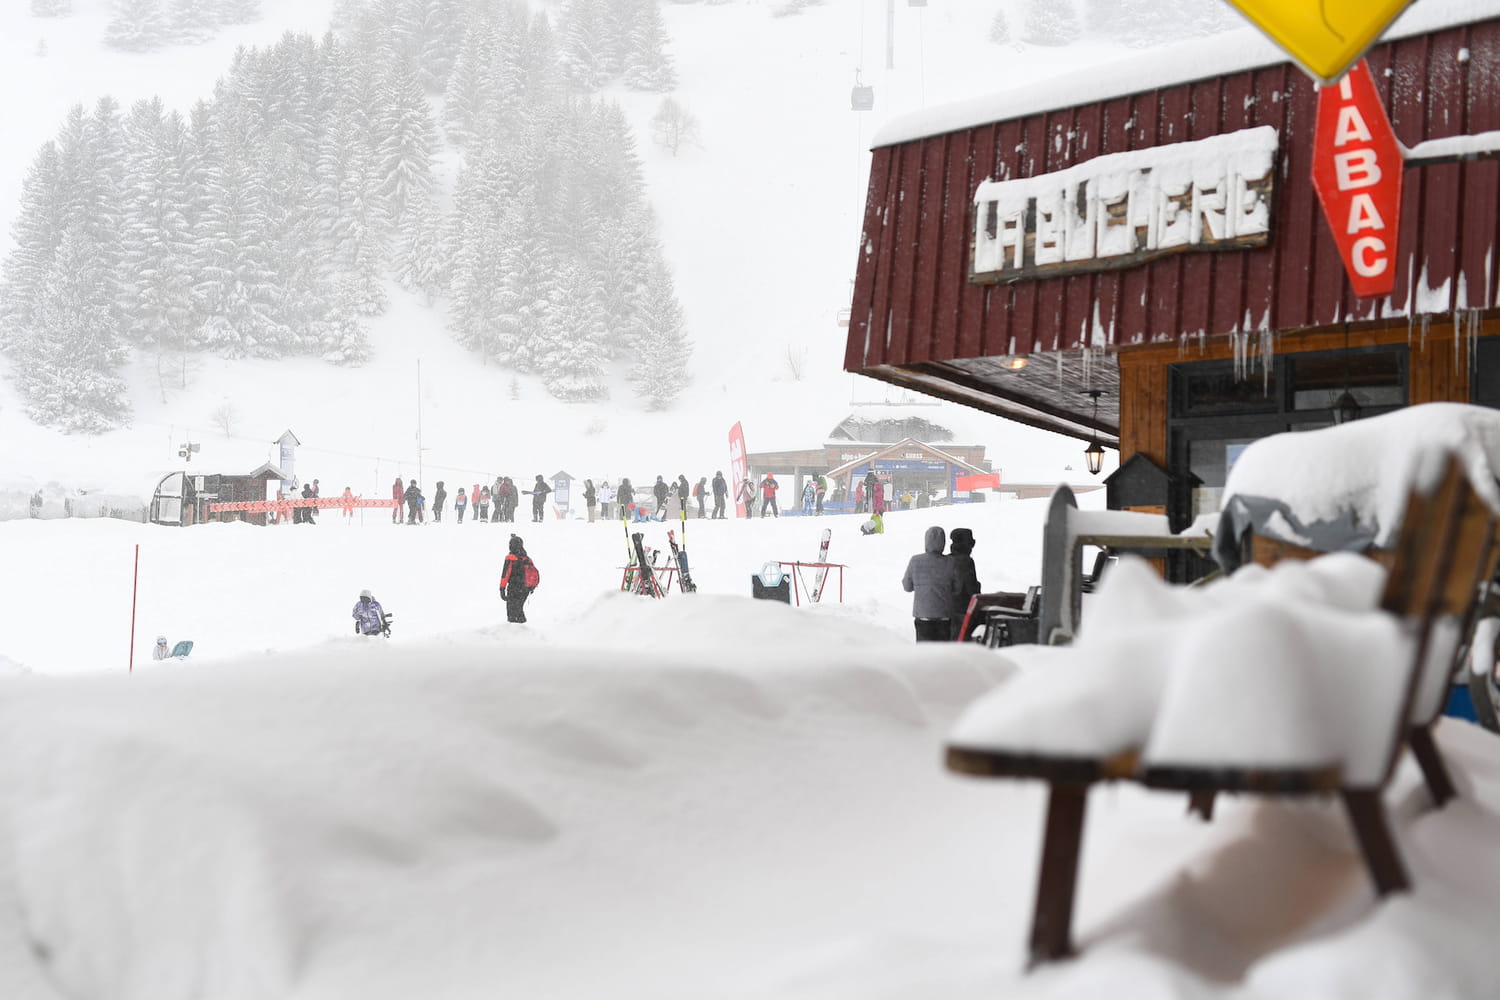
x=398, y=497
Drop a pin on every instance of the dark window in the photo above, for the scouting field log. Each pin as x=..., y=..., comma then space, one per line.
x=1484, y=380
x=1216, y=413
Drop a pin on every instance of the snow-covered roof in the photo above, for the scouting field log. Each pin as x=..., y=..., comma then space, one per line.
x=1169, y=65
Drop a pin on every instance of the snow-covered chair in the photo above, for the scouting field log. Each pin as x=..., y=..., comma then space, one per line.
x=1349, y=664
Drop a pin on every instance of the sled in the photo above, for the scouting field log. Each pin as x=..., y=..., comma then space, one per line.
x=182, y=649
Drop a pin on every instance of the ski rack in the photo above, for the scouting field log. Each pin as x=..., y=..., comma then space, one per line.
x=665, y=574
x=795, y=574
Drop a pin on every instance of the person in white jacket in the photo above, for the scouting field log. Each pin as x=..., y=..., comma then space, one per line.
x=606, y=495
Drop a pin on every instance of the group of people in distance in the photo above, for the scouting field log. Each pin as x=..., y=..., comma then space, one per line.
x=941, y=585
x=488, y=504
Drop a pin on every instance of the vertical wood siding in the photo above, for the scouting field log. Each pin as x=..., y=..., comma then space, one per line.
x=913, y=301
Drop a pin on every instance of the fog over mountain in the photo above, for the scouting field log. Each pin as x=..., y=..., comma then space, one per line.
x=627, y=222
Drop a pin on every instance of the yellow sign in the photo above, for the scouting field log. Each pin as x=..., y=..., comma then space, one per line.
x=1324, y=37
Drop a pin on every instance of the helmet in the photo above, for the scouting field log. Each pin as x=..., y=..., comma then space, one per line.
x=162, y=639
x=364, y=594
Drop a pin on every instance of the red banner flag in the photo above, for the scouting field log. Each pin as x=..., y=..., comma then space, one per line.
x=1357, y=166
x=739, y=467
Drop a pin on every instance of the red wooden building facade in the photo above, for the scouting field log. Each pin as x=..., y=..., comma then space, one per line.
x=1194, y=352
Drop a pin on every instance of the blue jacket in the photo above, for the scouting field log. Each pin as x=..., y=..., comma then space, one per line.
x=368, y=616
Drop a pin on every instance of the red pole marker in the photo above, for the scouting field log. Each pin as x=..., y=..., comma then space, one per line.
x=135, y=579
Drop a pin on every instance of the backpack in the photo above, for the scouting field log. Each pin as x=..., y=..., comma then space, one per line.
x=532, y=576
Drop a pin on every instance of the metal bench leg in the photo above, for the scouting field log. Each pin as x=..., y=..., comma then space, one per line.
x=1052, y=920
x=1431, y=762
x=1367, y=816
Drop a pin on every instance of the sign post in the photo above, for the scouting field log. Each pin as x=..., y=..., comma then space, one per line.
x=1324, y=38
x=1357, y=167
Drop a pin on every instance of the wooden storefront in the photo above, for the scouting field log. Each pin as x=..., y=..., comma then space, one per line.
x=1198, y=346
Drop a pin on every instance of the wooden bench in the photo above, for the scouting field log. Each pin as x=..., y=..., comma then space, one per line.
x=1445, y=550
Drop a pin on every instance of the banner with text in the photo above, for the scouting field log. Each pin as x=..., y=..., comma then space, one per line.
x=739, y=468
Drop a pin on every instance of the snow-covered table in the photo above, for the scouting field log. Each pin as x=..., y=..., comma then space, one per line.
x=1305, y=679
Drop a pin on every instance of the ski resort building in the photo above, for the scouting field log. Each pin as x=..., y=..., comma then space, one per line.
x=1137, y=256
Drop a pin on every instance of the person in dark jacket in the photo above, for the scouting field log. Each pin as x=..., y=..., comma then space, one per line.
x=966, y=577
x=700, y=493
x=513, y=581
x=413, y=503
x=660, y=491
x=684, y=494
x=590, y=498
x=484, y=504
x=625, y=496
x=512, y=499
x=460, y=503
x=539, y=491
x=437, y=502
x=304, y=514
x=932, y=581
x=721, y=494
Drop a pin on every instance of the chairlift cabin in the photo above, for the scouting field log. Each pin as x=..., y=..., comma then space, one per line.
x=862, y=97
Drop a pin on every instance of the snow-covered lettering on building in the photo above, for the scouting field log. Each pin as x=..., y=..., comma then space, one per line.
x=1123, y=208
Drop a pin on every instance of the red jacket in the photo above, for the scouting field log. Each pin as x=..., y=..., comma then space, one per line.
x=397, y=492
x=769, y=487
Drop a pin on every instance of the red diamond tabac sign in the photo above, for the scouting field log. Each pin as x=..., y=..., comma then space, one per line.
x=1357, y=165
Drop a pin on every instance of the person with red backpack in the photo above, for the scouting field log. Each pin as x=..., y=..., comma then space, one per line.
x=517, y=580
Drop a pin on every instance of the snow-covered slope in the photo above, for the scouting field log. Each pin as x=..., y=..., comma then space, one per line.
x=759, y=222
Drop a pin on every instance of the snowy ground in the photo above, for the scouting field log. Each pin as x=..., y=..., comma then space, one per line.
x=706, y=796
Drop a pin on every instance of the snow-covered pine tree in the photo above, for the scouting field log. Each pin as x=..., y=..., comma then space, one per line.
x=1050, y=23
x=341, y=338
x=191, y=21
x=404, y=157
x=67, y=369
x=442, y=35
x=421, y=264
x=155, y=238
x=661, y=348
x=238, y=11
x=136, y=25
x=585, y=45
x=1000, y=27
x=648, y=66
x=572, y=354
x=52, y=8
x=37, y=232
x=235, y=284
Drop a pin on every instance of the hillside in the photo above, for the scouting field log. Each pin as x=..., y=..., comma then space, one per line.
x=758, y=221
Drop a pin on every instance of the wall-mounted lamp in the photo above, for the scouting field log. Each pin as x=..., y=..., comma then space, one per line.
x=1015, y=362
x=1094, y=453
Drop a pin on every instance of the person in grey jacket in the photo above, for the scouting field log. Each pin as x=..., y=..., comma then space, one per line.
x=932, y=580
